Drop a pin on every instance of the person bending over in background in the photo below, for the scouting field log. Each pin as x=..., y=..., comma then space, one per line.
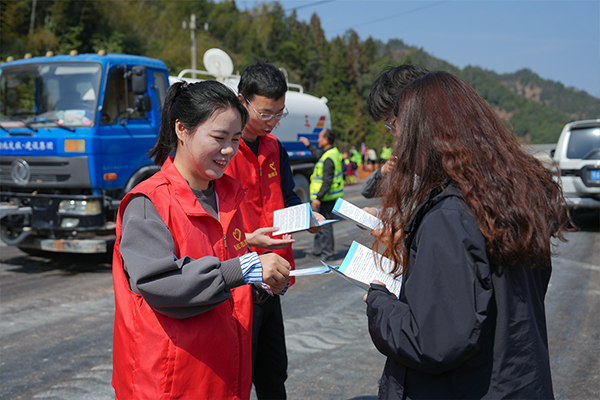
x=380, y=103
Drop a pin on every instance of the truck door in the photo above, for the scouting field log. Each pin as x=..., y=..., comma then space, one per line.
x=126, y=135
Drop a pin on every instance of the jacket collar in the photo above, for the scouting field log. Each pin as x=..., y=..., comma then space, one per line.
x=266, y=145
x=437, y=194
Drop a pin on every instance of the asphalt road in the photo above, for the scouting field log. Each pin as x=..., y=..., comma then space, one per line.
x=56, y=321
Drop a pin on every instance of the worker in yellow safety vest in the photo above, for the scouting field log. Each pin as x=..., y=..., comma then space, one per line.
x=326, y=186
x=355, y=156
x=386, y=153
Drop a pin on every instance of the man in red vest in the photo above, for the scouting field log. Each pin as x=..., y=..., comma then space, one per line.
x=263, y=167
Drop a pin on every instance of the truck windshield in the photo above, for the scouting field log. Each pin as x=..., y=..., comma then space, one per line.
x=63, y=94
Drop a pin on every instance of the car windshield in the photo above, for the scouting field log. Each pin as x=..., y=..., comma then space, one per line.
x=64, y=94
x=583, y=141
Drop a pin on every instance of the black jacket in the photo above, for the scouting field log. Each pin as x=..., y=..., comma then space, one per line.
x=461, y=328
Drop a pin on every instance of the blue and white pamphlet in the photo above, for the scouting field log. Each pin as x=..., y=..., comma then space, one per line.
x=350, y=212
x=361, y=266
x=296, y=218
x=310, y=271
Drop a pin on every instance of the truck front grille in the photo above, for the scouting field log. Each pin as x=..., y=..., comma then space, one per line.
x=48, y=172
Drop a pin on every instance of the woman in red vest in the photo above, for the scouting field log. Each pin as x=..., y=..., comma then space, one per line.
x=183, y=277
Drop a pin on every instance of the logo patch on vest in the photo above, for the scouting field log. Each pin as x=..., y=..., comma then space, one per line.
x=237, y=235
x=274, y=173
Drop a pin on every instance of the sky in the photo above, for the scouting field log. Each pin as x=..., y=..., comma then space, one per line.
x=558, y=40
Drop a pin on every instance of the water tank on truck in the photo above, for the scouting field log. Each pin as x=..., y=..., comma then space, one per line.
x=308, y=115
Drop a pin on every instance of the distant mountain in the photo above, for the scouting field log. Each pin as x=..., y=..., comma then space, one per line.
x=535, y=108
x=577, y=103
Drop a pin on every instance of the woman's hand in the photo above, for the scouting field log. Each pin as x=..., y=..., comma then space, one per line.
x=276, y=271
x=389, y=165
x=375, y=282
x=260, y=238
x=371, y=211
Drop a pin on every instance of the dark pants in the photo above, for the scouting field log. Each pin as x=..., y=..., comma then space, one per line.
x=269, y=356
x=324, y=245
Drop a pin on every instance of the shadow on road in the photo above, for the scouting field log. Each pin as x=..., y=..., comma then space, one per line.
x=67, y=264
x=364, y=398
x=587, y=220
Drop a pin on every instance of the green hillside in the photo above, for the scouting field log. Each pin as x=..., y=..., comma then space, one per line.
x=341, y=69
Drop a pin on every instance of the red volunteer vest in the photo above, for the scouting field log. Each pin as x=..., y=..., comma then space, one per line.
x=207, y=356
x=262, y=179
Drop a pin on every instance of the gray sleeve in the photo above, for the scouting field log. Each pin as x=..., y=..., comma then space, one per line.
x=369, y=188
x=315, y=151
x=179, y=288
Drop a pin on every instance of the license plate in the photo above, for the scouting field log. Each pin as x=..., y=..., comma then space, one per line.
x=595, y=175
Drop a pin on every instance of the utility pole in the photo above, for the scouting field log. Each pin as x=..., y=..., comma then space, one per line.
x=192, y=29
x=31, y=24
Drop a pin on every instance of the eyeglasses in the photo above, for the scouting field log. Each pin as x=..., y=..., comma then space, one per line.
x=390, y=124
x=268, y=117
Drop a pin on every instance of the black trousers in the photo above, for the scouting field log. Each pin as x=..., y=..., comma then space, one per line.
x=269, y=355
x=324, y=243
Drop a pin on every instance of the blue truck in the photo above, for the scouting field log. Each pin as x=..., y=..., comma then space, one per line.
x=75, y=132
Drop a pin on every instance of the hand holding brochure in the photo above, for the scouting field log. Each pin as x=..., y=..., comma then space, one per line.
x=349, y=211
x=360, y=266
x=296, y=218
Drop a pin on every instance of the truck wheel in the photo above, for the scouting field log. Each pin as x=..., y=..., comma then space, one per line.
x=302, y=188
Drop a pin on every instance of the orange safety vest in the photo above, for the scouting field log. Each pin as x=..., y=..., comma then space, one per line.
x=262, y=179
x=207, y=356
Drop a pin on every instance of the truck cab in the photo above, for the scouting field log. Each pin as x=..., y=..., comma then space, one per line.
x=75, y=132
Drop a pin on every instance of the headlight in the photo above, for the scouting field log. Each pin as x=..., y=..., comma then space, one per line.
x=79, y=207
x=69, y=222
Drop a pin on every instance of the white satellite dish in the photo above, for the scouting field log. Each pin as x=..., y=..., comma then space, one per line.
x=218, y=63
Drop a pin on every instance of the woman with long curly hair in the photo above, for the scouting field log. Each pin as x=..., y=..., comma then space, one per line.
x=469, y=220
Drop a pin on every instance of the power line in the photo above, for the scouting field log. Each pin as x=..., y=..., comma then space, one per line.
x=251, y=16
x=309, y=5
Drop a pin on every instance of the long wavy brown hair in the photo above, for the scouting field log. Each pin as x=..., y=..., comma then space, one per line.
x=446, y=132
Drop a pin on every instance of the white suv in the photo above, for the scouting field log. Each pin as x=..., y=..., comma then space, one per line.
x=577, y=157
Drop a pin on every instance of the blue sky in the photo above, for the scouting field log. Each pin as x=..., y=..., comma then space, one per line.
x=558, y=40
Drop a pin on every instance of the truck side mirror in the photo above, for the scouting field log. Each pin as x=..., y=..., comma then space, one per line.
x=142, y=103
x=139, y=82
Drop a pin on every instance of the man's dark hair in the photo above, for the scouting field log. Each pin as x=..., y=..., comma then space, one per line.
x=262, y=79
x=384, y=92
x=330, y=135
